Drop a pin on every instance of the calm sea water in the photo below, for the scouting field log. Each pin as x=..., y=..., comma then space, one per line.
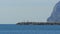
x=29, y=29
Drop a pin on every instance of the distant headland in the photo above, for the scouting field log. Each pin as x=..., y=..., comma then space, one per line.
x=38, y=23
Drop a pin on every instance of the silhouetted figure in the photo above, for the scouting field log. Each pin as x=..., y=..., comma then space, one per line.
x=55, y=16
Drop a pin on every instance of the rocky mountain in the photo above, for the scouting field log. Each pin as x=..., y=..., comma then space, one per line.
x=55, y=16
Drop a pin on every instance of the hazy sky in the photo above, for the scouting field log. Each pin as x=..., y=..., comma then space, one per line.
x=12, y=11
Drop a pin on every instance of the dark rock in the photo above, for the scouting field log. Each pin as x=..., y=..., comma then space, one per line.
x=38, y=23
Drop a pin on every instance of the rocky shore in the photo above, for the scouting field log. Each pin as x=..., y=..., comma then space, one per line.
x=38, y=23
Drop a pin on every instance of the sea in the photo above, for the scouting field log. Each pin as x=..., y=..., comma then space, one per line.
x=29, y=29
